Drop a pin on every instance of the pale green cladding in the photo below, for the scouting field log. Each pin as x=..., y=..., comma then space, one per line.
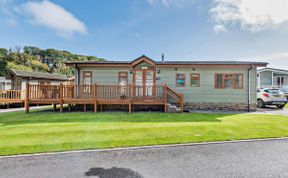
x=205, y=93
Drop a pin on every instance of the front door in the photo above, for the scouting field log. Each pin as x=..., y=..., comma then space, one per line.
x=144, y=82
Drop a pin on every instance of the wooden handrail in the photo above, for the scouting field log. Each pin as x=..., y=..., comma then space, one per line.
x=178, y=97
x=173, y=91
x=10, y=90
x=175, y=98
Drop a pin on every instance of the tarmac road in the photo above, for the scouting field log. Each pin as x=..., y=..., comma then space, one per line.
x=243, y=159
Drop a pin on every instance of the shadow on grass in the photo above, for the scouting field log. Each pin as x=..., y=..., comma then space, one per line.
x=47, y=116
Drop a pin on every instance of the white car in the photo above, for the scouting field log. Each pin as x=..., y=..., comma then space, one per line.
x=270, y=96
x=285, y=91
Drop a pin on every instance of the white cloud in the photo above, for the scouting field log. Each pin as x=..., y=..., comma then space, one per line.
x=6, y=12
x=219, y=28
x=54, y=17
x=252, y=15
x=276, y=60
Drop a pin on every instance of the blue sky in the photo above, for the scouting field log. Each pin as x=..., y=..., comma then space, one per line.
x=126, y=29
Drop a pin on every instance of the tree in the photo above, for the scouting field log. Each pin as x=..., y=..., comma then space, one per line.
x=3, y=53
x=35, y=59
x=32, y=50
x=3, y=69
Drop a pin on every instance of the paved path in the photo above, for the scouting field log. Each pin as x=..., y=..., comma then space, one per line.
x=271, y=110
x=245, y=159
x=22, y=109
x=267, y=110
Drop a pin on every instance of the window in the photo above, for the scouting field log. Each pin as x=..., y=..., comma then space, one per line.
x=234, y=81
x=280, y=80
x=87, y=82
x=239, y=81
x=195, y=80
x=2, y=85
x=123, y=78
x=180, y=80
x=123, y=81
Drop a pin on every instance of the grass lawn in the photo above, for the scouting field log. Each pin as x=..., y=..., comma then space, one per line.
x=42, y=131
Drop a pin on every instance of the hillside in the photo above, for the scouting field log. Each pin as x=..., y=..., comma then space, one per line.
x=35, y=59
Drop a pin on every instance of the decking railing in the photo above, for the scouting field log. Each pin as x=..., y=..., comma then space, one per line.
x=44, y=92
x=104, y=94
x=11, y=96
x=176, y=97
x=109, y=92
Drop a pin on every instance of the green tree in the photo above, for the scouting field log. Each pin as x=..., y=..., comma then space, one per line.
x=35, y=59
x=3, y=53
x=32, y=50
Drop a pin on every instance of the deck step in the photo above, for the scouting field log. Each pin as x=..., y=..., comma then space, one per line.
x=172, y=108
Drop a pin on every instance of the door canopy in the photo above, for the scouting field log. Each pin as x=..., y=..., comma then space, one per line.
x=143, y=62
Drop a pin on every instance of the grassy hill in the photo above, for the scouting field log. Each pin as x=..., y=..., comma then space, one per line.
x=43, y=60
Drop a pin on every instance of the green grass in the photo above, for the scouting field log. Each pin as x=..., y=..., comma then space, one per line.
x=42, y=131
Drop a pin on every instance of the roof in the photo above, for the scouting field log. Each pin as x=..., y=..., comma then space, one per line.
x=39, y=75
x=3, y=79
x=189, y=62
x=273, y=70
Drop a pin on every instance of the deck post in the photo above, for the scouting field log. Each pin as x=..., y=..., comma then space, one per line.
x=130, y=98
x=61, y=97
x=84, y=108
x=27, y=98
x=95, y=97
x=54, y=107
x=130, y=106
x=95, y=106
x=182, y=102
x=165, y=98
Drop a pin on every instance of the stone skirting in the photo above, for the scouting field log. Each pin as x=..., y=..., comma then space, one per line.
x=221, y=106
x=120, y=107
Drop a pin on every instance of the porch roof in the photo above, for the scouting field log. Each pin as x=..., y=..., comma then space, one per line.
x=274, y=70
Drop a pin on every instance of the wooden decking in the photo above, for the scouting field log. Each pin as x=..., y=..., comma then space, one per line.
x=129, y=95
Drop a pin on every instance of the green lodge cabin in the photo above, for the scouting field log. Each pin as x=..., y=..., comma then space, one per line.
x=202, y=84
x=170, y=86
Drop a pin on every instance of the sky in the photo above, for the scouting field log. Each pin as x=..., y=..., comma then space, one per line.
x=250, y=30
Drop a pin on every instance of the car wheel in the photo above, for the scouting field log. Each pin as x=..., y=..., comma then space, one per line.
x=260, y=103
x=280, y=106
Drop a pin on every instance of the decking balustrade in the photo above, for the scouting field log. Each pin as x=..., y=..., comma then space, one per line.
x=93, y=94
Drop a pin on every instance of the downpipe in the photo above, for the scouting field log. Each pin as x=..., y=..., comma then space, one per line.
x=249, y=88
x=78, y=79
x=78, y=74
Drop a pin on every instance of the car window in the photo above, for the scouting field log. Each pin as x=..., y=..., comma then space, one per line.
x=275, y=91
x=267, y=91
